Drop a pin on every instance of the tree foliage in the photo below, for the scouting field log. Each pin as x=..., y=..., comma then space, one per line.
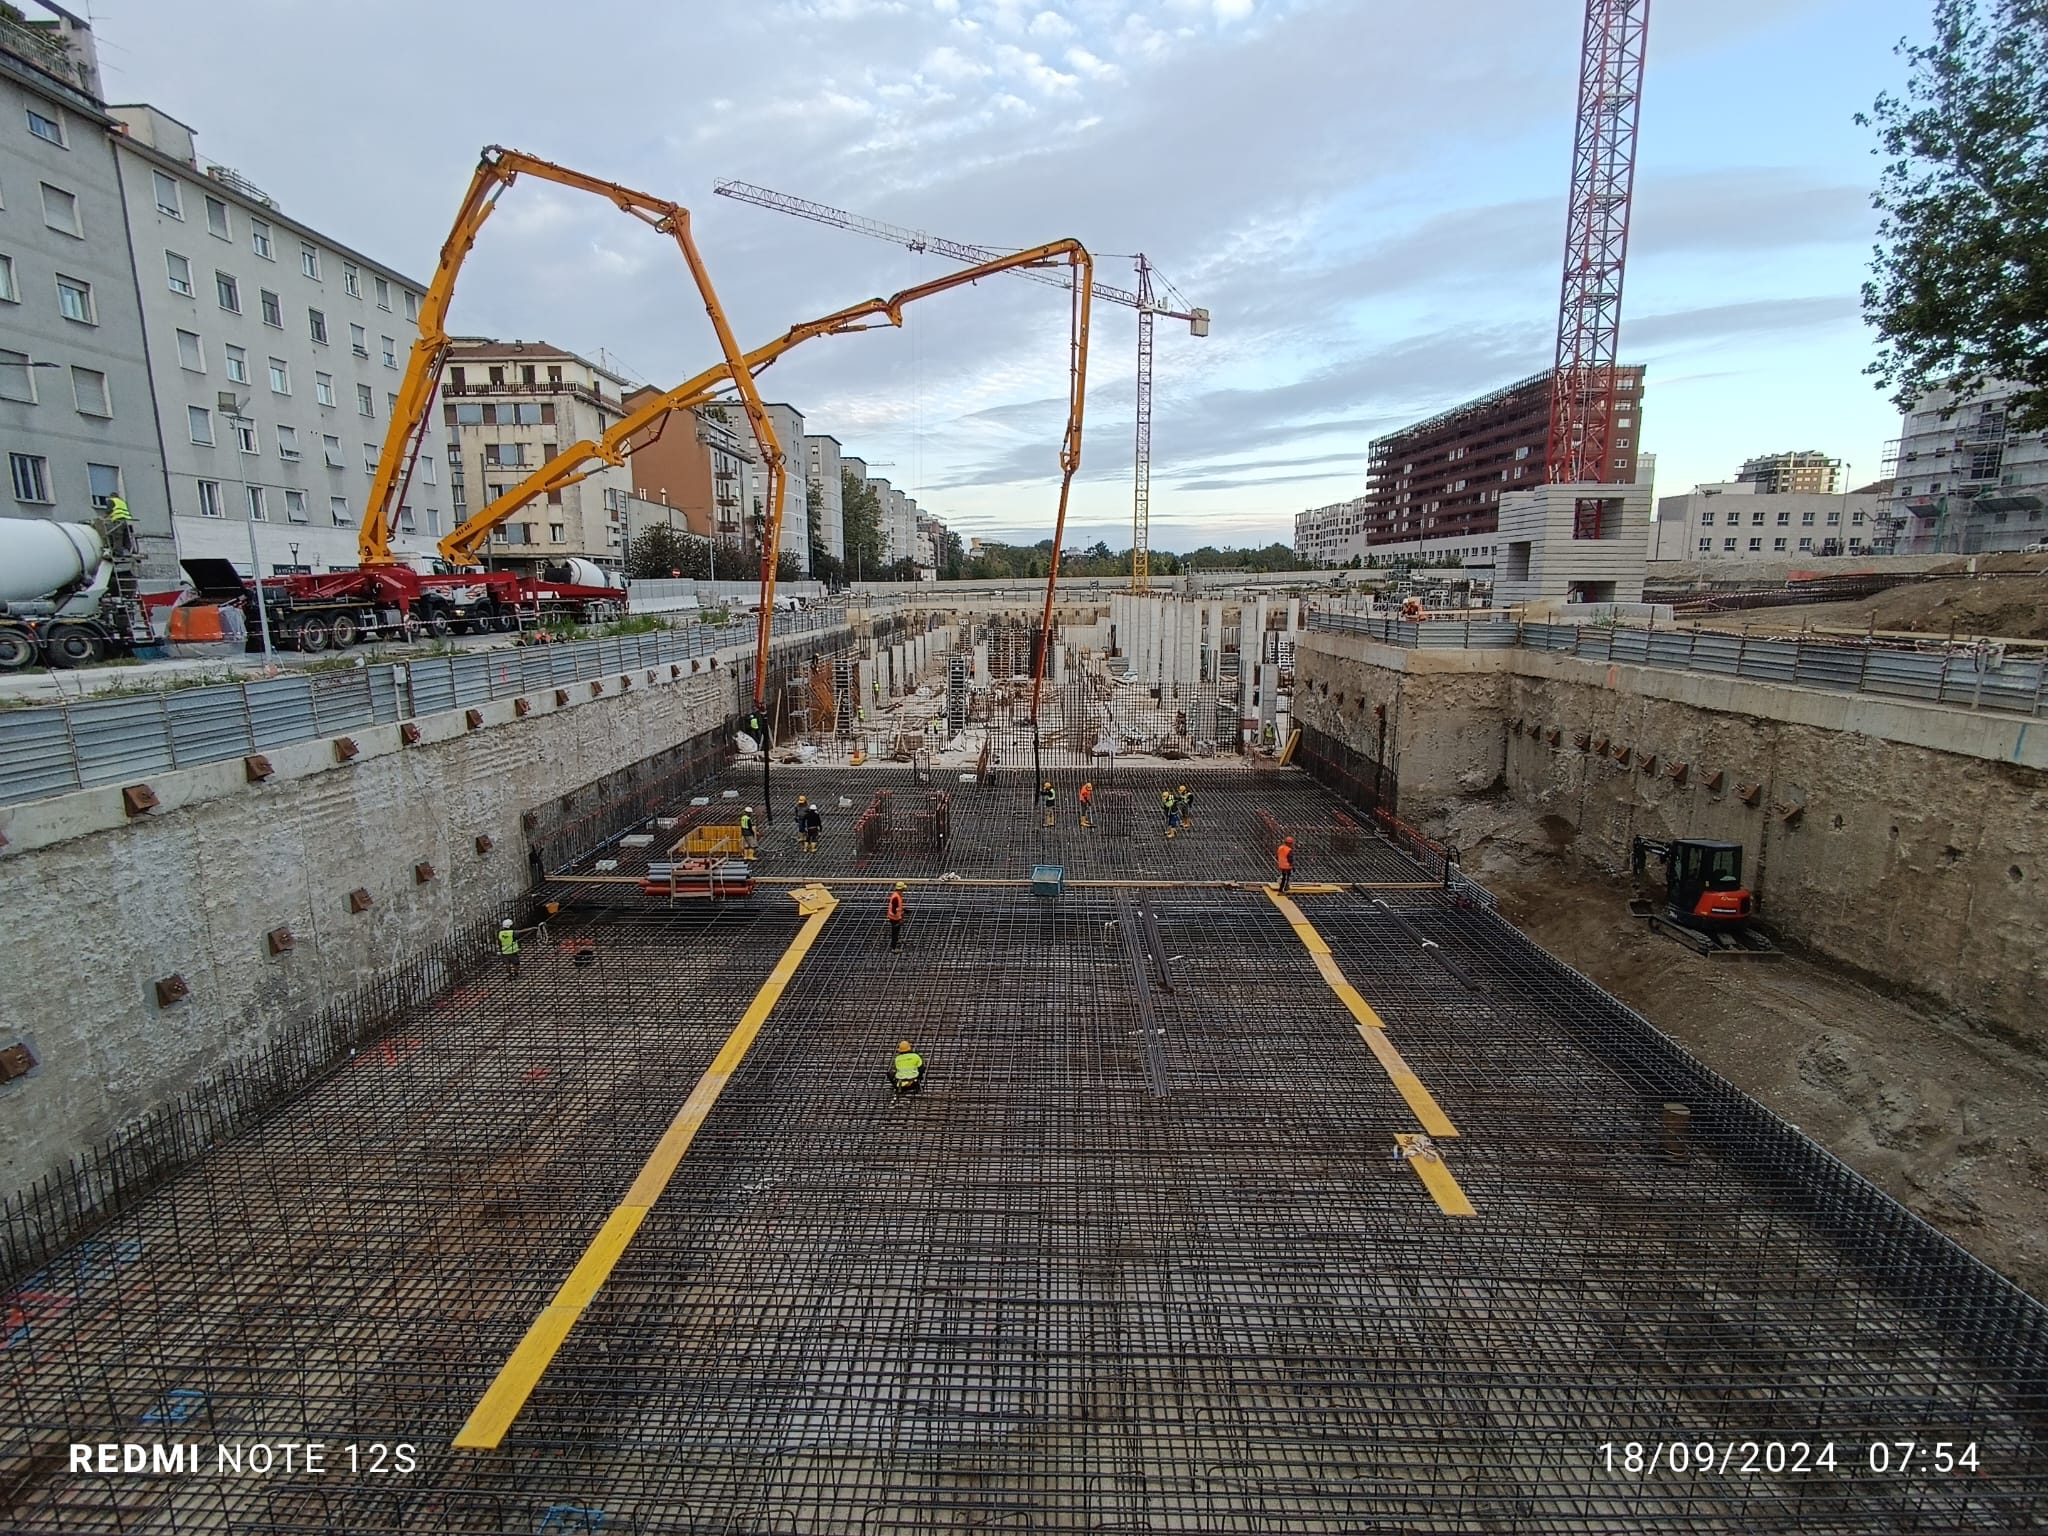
x=861, y=510
x=995, y=562
x=660, y=551
x=1960, y=281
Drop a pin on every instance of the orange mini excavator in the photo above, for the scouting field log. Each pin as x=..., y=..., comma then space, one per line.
x=1705, y=902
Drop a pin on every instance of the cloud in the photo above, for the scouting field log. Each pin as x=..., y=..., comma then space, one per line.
x=1755, y=317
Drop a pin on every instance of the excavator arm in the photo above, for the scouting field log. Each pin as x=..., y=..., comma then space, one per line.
x=496, y=170
x=582, y=459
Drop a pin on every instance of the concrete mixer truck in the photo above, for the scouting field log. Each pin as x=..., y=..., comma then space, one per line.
x=65, y=599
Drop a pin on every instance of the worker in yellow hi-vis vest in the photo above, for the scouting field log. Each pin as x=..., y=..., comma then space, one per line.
x=908, y=1073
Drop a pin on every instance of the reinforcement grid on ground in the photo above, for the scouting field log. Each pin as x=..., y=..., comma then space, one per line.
x=1139, y=1257
x=879, y=824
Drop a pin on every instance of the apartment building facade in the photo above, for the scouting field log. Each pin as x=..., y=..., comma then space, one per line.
x=693, y=461
x=1436, y=486
x=275, y=356
x=1964, y=480
x=1331, y=535
x=508, y=407
x=78, y=419
x=1805, y=472
x=822, y=466
x=788, y=423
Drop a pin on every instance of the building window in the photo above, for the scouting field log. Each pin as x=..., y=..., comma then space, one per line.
x=323, y=388
x=316, y=326
x=390, y=403
x=1756, y=546
x=217, y=219
x=1756, y=519
x=295, y=506
x=351, y=281
x=245, y=434
x=74, y=299
x=358, y=341
x=1806, y=518
x=309, y=261
x=1621, y=442
x=237, y=364
x=1728, y=546
x=468, y=414
x=259, y=239
x=555, y=374
x=337, y=509
x=1706, y=546
x=288, y=444
x=390, y=351
x=1804, y=545
x=1834, y=519
x=48, y=126
x=554, y=533
x=1855, y=541
x=497, y=375
x=209, y=498
x=103, y=484
x=60, y=211
x=412, y=305
x=228, y=292
x=429, y=475
x=1777, y=544
x=280, y=376
x=273, y=311
x=179, y=271
x=369, y=458
x=191, y=355
x=31, y=475
x=258, y=512
x=383, y=294
x=1856, y=519
x=1784, y=519
x=9, y=294
x=331, y=446
x=1621, y=463
x=168, y=201
x=1707, y=519
x=17, y=379
x=89, y=390
x=199, y=422
x=366, y=400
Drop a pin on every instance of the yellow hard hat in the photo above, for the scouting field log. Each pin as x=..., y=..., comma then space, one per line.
x=1183, y=789
x=902, y=1045
x=801, y=801
x=901, y=886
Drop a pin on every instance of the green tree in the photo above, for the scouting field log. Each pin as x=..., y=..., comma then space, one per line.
x=1960, y=279
x=861, y=510
x=953, y=558
x=661, y=551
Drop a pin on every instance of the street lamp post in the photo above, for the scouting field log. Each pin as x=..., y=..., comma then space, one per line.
x=231, y=408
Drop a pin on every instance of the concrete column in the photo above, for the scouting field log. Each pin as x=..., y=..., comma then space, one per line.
x=981, y=664
x=1293, y=614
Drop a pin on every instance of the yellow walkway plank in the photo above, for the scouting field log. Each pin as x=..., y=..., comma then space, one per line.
x=501, y=1403
x=1370, y=1025
x=1436, y=1176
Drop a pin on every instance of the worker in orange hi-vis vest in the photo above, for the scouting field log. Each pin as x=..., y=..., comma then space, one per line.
x=1284, y=857
x=897, y=912
x=1087, y=798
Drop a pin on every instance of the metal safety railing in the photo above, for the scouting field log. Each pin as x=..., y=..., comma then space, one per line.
x=1967, y=675
x=83, y=744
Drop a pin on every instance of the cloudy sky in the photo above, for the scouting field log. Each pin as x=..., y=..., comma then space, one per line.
x=1367, y=194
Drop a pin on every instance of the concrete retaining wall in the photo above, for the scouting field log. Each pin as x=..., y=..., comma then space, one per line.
x=1908, y=840
x=107, y=904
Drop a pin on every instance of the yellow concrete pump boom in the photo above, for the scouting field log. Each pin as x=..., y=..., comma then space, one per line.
x=496, y=170
x=579, y=460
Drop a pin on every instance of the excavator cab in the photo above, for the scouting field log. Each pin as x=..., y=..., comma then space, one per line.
x=1703, y=882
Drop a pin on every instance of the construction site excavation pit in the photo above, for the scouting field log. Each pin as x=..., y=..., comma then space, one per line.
x=1216, y=1211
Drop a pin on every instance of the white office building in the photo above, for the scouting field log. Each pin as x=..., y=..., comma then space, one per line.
x=1735, y=522
x=822, y=465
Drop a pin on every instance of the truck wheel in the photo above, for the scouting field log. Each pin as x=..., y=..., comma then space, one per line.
x=437, y=622
x=506, y=622
x=311, y=635
x=17, y=649
x=342, y=632
x=72, y=647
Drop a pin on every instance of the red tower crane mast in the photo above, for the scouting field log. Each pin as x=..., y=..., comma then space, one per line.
x=1146, y=301
x=1582, y=385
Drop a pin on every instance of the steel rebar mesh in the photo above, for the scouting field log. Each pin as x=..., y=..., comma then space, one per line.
x=1138, y=1257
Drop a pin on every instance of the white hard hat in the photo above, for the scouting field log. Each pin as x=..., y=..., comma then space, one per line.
x=506, y=924
x=750, y=810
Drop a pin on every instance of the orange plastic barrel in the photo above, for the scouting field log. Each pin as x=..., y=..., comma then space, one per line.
x=196, y=622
